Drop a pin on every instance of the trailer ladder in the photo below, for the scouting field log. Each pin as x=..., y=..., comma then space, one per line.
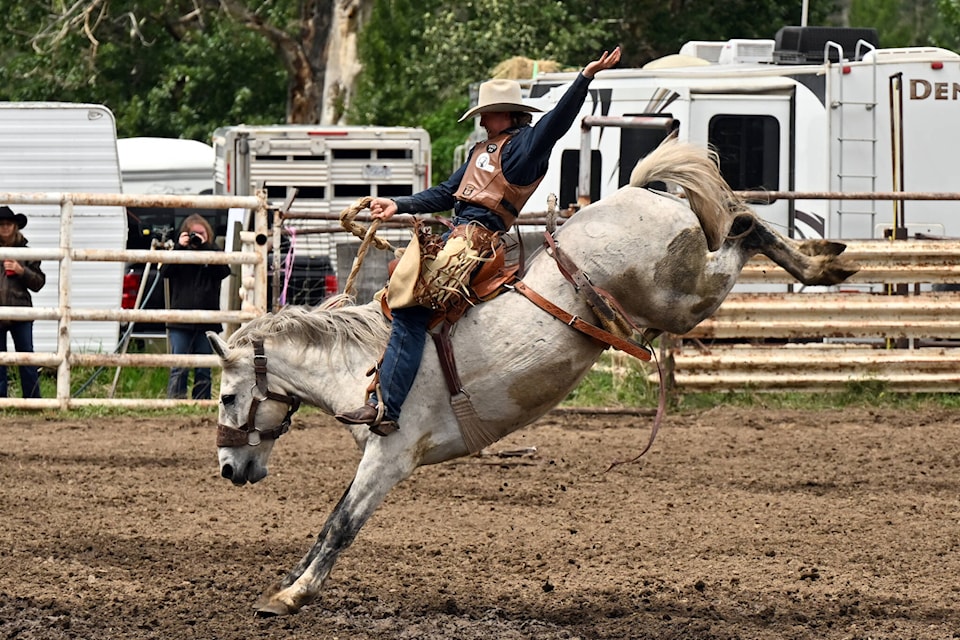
x=859, y=177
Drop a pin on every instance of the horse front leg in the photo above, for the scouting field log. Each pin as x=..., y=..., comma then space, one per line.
x=302, y=585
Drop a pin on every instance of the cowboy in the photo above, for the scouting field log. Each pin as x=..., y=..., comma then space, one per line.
x=16, y=282
x=490, y=189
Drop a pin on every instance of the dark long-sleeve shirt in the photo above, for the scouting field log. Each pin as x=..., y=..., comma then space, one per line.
x=525, y=160
x=15, y=290
x=195, y=286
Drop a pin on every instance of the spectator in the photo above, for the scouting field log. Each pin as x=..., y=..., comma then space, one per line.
x=16, y=283
x=193, y=286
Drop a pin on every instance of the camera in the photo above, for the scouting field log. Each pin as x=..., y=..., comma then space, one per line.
x=195, y=241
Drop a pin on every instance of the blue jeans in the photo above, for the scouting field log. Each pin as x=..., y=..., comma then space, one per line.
x=22, y=334
x=189, y=341
x=401, y=360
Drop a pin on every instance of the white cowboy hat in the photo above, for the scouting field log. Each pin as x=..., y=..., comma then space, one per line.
x=498, y=95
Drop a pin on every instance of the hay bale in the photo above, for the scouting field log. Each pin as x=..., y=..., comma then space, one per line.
x=520, y=68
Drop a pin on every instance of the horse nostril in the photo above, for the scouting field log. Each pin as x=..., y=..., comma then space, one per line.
x=226, y=471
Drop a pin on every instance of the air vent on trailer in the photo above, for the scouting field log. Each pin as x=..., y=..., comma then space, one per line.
x=704, y=49
x=807, y=45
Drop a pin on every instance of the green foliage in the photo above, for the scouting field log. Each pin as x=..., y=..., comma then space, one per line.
x=949, y=34
x=616, y=380
x=462, y=42
x=160, y=76
x=133, y=382
x=901, y=24
x=204, y=81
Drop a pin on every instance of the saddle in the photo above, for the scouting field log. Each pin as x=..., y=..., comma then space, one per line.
x=469, y=268
x=449, y=275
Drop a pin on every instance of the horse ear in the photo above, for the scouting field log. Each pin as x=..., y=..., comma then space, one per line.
x=218, y=344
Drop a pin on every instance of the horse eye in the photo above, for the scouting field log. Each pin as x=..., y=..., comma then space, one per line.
x=228, y=399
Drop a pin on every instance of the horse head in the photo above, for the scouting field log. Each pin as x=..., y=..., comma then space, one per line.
x=264, y=379
x=252, y=413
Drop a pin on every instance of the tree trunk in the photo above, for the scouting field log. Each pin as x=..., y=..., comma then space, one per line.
x=342, y=61
x=322, y=62
x=305, y=92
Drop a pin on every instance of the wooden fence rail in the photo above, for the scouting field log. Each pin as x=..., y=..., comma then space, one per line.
x=824, y=339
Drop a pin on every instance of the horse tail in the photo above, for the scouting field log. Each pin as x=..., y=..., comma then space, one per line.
x=695, y=170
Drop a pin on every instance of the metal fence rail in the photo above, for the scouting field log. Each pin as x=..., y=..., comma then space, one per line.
x=809, y=340
x=251, y=258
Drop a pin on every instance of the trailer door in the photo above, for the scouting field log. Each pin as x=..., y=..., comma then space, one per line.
x=753, y=133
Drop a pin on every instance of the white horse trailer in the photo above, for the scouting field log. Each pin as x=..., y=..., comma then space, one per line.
x=330, y=167
x=169, y=166
x=62, y=147
x=815, y=110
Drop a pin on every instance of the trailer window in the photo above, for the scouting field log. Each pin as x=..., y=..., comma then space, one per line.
x=570, y=176
x=634, y=145
x=749, y=149
x=395, y=154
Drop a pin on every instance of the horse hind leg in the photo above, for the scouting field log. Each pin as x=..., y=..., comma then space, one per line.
x=812, y=262
x=821, y=247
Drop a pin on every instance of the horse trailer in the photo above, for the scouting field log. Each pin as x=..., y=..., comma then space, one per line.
x=329, y=169
x=814, y=110
x=324, y=169
x=67, y=148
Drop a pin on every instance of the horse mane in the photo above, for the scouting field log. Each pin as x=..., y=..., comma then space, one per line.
x=695, y=170
x=332, y=324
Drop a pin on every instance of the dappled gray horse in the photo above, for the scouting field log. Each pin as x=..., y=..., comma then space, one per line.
x=669, y=264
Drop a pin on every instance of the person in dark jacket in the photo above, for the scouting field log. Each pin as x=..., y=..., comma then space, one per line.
x=16, y=282
x=489, y=189
x=193, y=286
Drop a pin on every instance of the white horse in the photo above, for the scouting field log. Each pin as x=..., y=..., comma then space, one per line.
x=668, y=263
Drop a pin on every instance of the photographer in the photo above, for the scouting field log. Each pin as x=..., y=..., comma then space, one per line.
x=193, y=286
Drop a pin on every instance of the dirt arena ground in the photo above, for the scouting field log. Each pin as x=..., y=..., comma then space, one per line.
x=741, y=523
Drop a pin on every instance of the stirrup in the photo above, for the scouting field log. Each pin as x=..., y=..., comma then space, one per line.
x=384, y=428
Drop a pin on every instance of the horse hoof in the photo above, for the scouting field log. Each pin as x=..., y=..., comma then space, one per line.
x=269, y=605
x=272, y=609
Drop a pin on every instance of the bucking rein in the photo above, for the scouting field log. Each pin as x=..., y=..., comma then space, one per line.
x=472, y=276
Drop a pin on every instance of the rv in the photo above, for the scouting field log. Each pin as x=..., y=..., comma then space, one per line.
x=813, y=110
x=169, y=166
x=62, y=147
x=329, y=169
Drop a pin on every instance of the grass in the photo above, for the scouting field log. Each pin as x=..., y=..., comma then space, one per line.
x=616, y=381
x=97, y=382
x=621, y=381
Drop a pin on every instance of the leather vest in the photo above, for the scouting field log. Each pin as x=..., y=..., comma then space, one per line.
x=484, y=184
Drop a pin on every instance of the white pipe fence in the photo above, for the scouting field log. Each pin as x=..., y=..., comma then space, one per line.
x=827, y=338
x=253, y=282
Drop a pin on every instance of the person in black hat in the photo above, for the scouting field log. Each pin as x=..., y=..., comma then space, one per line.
x=16, y=282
